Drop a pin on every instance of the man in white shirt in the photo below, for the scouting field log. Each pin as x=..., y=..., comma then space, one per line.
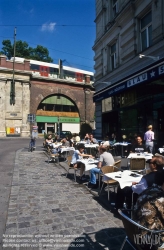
x=106, y=159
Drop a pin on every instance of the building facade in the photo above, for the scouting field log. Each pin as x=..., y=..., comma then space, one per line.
x=57, y=103
x=129, y=67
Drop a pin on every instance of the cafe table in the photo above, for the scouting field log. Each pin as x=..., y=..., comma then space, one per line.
x=124, y=178
x=56, y=145
x=90, y=146
x=89, y=163
x=122, y=144
x=161, y=150
x=145, y=155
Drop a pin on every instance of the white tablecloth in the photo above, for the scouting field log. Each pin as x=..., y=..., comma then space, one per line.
x=126, y=179
x=89, y=163
x=147, y=156
x=66, y=149
x=81, y=142
x=161, y=150
x=121, y=144
x=91, y=145
x=56, y=145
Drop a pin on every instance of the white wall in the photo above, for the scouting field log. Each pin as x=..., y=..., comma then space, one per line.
x=73, y=127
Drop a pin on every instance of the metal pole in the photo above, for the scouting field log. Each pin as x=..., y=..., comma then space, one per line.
x=59, y=126
x=14, y=53
x=13, y=80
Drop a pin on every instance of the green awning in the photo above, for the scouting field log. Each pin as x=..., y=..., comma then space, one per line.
x=54, y=119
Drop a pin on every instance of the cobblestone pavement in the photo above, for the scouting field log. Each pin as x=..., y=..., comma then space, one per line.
x=48, y=208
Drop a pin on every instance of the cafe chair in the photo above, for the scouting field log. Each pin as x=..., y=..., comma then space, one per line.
x=70, y=166
x=133, y=232
x=138, y=165
x=117, y=166
x=110, y=183
x=51, y=156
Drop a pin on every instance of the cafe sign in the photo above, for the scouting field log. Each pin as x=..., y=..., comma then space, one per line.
x=143, y=76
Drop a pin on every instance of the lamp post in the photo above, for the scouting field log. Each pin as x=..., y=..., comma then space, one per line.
x=59, y=126
x=155, y=58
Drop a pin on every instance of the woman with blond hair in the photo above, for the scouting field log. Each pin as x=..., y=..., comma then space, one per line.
x=149, y=137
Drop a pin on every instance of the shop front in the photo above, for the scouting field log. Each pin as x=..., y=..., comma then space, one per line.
x=134, y=103
x=53, y=122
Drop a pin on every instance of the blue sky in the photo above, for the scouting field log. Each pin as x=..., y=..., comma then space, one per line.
x=65, y=27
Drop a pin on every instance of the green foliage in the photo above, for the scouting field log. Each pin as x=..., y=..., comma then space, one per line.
x=85, y=128
x=7, y=48
x=39, y=53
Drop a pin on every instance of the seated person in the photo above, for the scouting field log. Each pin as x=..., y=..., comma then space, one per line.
x=69, y=139
x=112, y=139
x=106, y=159
x=149, y=210
x=86, y=138
x=125, y=194
x=49, y=139
x=77, y=138
x=57, y=138
x=79, y=154
x=65, y=143
x=92, y=140
x=138, y=144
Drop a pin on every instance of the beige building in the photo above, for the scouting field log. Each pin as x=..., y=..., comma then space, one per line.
x=14, y=100
x=57, y=103
x=129, y=86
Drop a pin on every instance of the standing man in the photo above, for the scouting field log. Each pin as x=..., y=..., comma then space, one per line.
x=149, y=137
x=106, y=159
x=34, y=135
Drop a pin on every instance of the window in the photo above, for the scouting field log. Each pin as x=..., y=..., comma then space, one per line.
x=113, y=56
x=146, y=31
x=107, y=104
x=115, y=7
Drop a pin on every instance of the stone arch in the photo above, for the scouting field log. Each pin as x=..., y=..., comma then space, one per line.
x=60, y=95
x=39, y=92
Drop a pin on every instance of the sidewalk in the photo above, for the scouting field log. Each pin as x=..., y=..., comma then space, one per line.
x=48, y=209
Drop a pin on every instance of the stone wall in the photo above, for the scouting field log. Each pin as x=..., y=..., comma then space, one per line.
x=41, y=90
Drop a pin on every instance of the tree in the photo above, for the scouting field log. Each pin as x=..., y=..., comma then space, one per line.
x=39, y=53
x=7, y=48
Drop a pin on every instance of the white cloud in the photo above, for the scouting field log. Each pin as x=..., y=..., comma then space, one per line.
x=48, y=27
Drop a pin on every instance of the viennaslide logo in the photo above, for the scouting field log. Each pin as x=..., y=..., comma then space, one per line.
x=148, y=239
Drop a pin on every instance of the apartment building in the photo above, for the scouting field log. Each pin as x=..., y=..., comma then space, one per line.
x=129, y=67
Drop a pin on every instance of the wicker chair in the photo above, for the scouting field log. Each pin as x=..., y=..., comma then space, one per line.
x=132, y=230
x=110, y=183
x=117, y=167
x=51, y=155
x=138, y=165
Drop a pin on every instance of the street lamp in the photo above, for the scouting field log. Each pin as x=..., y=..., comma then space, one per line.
x=155, y=58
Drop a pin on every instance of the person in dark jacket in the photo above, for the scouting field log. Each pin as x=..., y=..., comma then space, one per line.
x=155, y=164
x=138, y=145
x=149, y=212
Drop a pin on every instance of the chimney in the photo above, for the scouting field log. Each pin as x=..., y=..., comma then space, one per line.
x=87, y=79
x=3, y=60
